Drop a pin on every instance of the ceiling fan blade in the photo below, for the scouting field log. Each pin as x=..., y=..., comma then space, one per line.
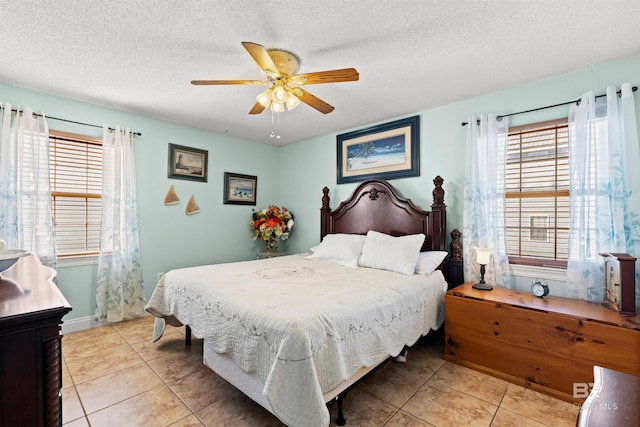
x=257, y=108
x=228, y=82
x=313, y=101
x=262, y=58
x=330, y=76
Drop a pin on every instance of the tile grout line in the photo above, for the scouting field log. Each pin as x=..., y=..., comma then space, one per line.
x=86, y=414
x=161, y=379
x=500, y=404
x=419, y=388
x=191, y=412
x=75, y=390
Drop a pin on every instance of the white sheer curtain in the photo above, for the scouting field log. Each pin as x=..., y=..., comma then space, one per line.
x=120, y=294
x=26, y=220
x=604, y=188
x=483, y=216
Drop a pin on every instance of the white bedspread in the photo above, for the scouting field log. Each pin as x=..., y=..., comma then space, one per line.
x=304, y=326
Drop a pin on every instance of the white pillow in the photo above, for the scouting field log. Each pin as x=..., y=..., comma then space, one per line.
x=343, y=249
x=429, y=261
x=385, y=252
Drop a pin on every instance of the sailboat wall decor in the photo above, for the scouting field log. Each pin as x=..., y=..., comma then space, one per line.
x=192, y=206
x=171, y=198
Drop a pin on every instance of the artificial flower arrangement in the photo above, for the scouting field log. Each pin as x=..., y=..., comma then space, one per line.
x=271, y=225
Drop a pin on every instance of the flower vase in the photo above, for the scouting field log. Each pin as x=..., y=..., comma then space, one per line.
x=272, y=244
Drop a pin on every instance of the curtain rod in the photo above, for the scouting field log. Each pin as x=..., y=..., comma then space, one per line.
x=81, y=123
x=73, y=121
x=635, y=88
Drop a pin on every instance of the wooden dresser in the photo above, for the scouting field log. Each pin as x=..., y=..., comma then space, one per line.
x=31, y=311
x=546, y=344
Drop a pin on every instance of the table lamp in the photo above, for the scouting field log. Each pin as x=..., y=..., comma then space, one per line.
x=483, y=256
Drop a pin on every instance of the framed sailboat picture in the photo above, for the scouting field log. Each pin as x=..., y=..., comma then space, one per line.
x=240, y=189
x=387, y=151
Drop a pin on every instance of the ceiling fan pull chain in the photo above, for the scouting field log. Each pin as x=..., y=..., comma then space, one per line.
x=275, y=133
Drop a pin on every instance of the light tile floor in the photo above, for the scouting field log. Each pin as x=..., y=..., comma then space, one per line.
x=114, y=376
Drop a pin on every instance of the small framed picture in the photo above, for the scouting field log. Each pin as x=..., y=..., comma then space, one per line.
x=240, y=189
x=187, y=163
x=619, y=282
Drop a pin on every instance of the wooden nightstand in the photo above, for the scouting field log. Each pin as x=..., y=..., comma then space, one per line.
x=547, y=344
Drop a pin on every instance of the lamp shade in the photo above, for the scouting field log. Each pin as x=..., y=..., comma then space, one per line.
x=292, y=101
x=483, y=255
x=277, y=107
x=279, y=95
x=265, y=98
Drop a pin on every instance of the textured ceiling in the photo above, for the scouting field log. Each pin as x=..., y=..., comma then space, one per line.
x=140, y=56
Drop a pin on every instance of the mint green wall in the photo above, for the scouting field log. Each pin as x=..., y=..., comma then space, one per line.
x=171, y=239
x=168, y=237
x=311, y=164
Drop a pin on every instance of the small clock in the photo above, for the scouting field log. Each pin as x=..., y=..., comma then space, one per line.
x=539, y=288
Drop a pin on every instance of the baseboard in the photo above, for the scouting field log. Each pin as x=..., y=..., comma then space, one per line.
x=74, y=325
x=79, y=324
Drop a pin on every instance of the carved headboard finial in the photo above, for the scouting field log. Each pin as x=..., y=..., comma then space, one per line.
x=325, y=197
x=438, y=192
x=455, y=246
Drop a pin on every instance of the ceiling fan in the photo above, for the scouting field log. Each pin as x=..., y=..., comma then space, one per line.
x=281, y=68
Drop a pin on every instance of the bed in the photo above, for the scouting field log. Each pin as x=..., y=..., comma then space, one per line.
x=295, y=332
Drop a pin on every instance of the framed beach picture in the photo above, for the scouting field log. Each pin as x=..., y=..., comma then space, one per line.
x=187, y=163
x=240, y=189
x=387, y=151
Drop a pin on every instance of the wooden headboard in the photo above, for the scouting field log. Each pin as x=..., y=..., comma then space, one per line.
x=377, y=205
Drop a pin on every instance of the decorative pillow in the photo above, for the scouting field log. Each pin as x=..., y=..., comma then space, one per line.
x=429, y=261
x=385, y=252
x=343, y=249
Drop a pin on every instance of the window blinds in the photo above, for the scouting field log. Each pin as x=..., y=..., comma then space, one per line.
x=537, y=191
x=76, y=182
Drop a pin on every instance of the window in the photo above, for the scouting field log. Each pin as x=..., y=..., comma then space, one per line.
x=537, y=194
x=76, y=181
x=539, y=228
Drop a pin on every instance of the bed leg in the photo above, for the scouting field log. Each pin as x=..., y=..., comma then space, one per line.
x=340, y=418
x=402, y=357
x=187, y=335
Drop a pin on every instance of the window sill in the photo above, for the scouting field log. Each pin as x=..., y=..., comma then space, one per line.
x=558, y=274
x=77, y=261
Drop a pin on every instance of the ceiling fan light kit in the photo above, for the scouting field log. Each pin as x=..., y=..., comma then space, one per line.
x=276, y=97
x=281, y=68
